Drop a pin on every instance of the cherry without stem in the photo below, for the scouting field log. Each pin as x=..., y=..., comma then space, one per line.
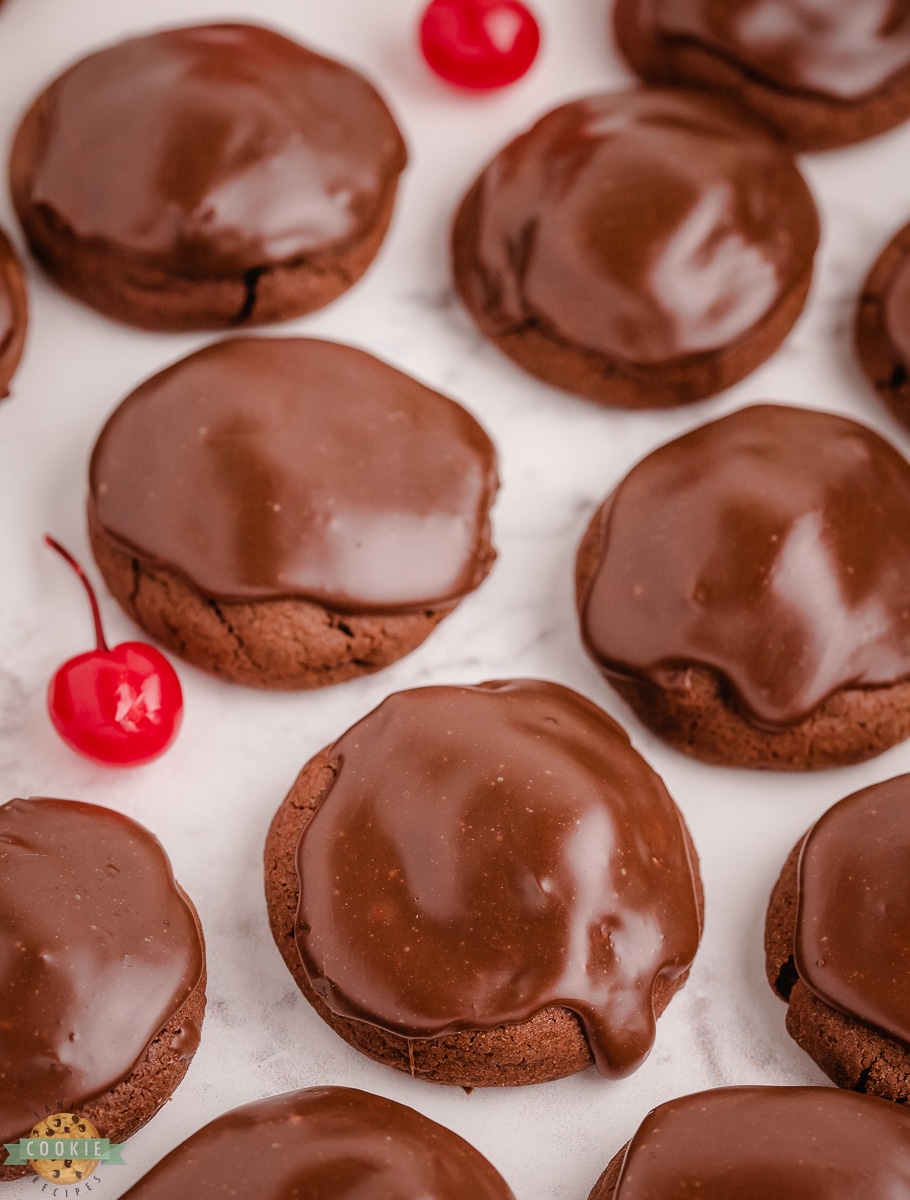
x=123, y=706
x=479, y=44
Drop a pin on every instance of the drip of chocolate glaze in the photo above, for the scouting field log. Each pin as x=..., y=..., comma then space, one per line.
x=98, y=948
x=485, y=852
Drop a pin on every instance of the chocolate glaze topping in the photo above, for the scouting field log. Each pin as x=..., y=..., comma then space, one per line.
x=646, y=226
x=749, y=1143
x=98, y=950
x=896, y=310
x=260, y=468
x=486, y=852
x=841, y=50
x=852, y=939
x=772, y=546
x=328, y=1143
x=13, y=314
x=214, y=149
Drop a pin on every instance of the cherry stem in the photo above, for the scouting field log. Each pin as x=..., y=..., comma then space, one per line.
x=93, y=599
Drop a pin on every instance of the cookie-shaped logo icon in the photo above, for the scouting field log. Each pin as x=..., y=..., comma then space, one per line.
x=53, y=1136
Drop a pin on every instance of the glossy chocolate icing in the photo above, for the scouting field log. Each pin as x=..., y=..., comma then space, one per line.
x=99, y=949
x=896, y=310
x=486, y=852
x=852, y=938
x=262, y=467
x=213, y=150
x=645, y=226
x=329, y=1143
x=772, y=546
x=840, y=50
x=750, y=1143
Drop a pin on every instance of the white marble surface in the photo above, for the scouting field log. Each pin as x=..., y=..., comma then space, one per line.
x=211, y=797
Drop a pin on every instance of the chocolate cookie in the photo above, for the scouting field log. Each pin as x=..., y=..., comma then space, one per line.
x=485, y=886
x=290, y=513
x=103, y=971
x=206, y=177
x=13, y=313
x=820, y=74
x=883, y=325
x=745, y=589
x=329, y=1143
x=643, y=249
x=750, y=1143
x=837, y=937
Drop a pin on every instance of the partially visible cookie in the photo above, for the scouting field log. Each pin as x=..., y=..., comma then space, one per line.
x=102, y=970
x=290, y=513
x=206, y=177
x=485, y=886
x=13, y=312
x=837, y=941
x=745, y=590
x=820, y=75
x=324, y=1143
x=883, y=325
x=750, y=1143
x=643, y=249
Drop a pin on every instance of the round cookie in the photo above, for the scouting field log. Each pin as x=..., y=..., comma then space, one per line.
x=750, y=1143
x=290, y=513
x=485, y=886
x=13, y=312
x=643, y=249
x=837, y=937
x=883, y=325
x=745, y=590
x=206, y=177
x=103, y=971
x=328, y=1142
x=820, y=75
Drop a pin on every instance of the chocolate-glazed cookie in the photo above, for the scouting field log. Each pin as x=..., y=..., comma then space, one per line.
x=750, y=1143
x=837, y=941
x=288, y=512
x=13, y=313
x=103, y=970
x=883, y=325
x=206, y=177
x=329, y=1143
x=820, y=74
x=643, y=249
x=485, y=886
x=746, y=589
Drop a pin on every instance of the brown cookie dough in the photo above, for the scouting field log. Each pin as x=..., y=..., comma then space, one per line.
x=477, y=745
x=820, y=75
x=88, y=894
x=725, y=587
x=290, y=513
x=643, y=249
x=883, y=325
x=835, y=938
x=755, y=1142
x=206, y=178
x=13, y=312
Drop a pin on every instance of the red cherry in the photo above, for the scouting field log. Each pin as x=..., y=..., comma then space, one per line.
x=120, y=706
x=479, y=44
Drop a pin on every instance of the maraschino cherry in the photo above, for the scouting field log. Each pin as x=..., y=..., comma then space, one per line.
x=481, y=44
x=123, y=706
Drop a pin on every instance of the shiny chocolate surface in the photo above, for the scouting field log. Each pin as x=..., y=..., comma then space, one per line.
x=214, y=149
x=98, y=950
x=486, y=852
x=323, y=1143
x=772, y=546
x=262, y=467
x=645, y=226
